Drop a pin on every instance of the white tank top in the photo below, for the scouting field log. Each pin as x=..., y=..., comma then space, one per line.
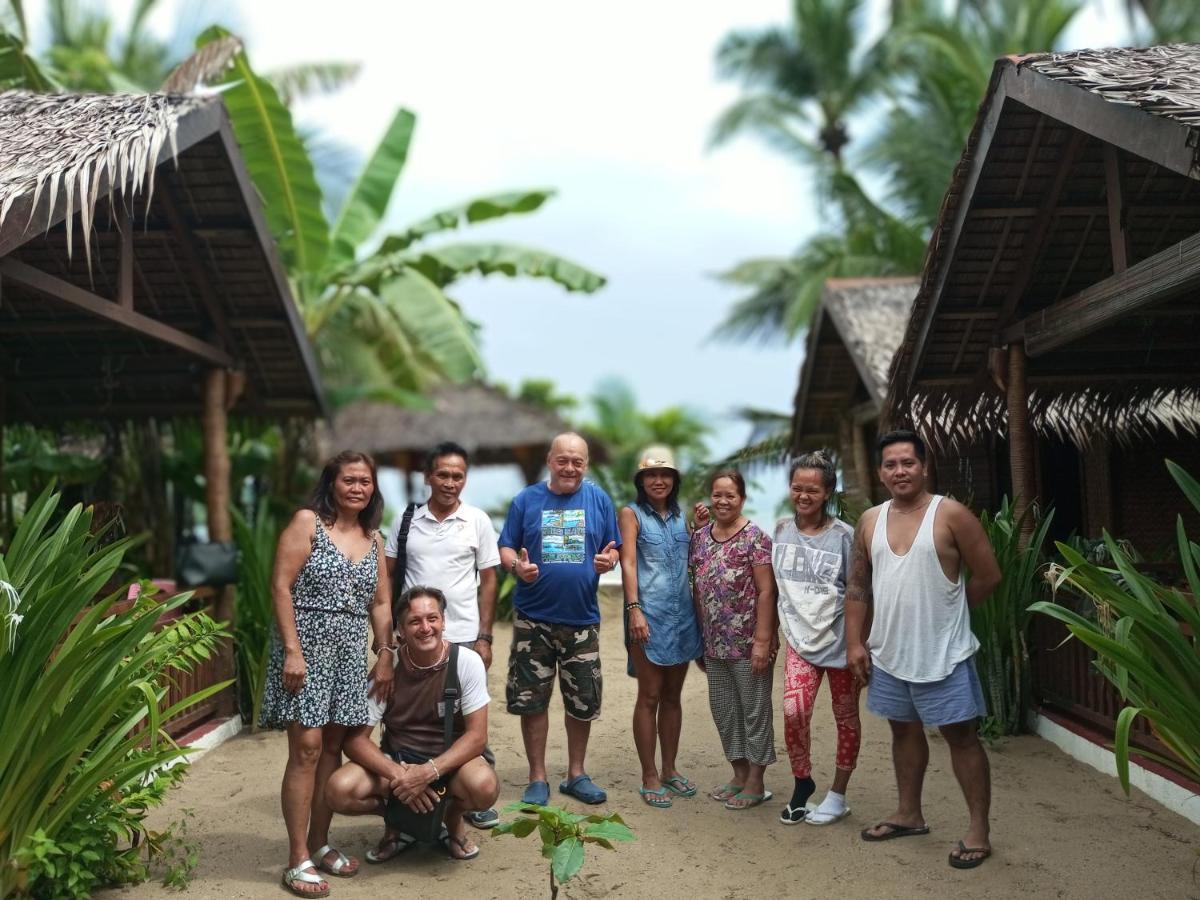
x=922, y=626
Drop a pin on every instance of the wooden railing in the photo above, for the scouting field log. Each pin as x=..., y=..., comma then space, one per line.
x=1065, y=680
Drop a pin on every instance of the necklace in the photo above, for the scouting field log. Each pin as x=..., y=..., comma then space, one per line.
x=416, y=665
x=905, y=512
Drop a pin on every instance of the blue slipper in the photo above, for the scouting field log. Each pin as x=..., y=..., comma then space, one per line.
x=538, y=793
x=582, y=788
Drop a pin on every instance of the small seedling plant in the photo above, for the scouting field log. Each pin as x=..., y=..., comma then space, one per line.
x=563, y=836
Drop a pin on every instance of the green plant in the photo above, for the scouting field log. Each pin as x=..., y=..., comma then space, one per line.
x=564, y=835
x=1001, y=623
x=105, y=842
x=177, y=853
x=1145, y=639
x=79, y=679
x=254, y=615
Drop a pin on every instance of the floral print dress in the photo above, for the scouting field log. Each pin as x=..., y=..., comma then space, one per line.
x=723, y=584
x=331, y=600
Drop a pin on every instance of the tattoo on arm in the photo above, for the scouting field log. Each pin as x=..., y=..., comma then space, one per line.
x=858, y=586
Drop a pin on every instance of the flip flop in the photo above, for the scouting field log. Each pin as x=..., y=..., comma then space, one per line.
x=656, y=798
x=449, y=840
x=897, y=831
x=338, y=867
x=789, y=816
x=681, y=785
x=959, y=863
x=391, y=846
x=748, y=801
x=537, y=793
x=582, y=788
x=724, y=792
x=816, y=817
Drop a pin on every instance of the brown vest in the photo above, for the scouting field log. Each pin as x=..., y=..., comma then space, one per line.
x=413, y=719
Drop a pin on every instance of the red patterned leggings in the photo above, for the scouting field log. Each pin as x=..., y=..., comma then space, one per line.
x=801, y=680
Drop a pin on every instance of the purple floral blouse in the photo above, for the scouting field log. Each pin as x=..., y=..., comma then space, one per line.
x=723, y=584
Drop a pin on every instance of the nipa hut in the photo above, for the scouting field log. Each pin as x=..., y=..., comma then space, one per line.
x=137, y=275
x=1057, y=322
x=493, y=427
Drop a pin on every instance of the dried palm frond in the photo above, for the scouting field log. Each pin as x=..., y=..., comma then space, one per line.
x=81, y=144
x=206, y=65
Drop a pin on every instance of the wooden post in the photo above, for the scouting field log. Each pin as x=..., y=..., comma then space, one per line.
x=1020, y=440
x=215, y=430
x=862, y=464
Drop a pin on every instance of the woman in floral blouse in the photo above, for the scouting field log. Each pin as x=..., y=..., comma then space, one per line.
x=734, y=591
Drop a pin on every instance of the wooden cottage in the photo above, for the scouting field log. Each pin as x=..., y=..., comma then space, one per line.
x=1054, y=341
x=138, y=278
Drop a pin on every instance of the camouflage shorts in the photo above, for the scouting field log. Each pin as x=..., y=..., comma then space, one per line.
x=539, y=648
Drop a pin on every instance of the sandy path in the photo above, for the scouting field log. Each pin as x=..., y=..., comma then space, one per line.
x=1060, y=829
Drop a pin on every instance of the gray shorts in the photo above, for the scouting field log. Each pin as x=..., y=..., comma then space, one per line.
x=956, y=698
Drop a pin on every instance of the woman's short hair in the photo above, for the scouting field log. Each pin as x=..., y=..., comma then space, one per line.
x=323, y=503
x=416, y=592
x=733, y=475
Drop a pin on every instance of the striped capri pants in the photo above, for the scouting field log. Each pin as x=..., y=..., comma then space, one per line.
x=741, y=709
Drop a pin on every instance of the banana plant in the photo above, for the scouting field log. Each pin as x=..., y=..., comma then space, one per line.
x=85, y=686
x=376, y=308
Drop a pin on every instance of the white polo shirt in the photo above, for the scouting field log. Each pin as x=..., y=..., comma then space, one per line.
x=448, y=555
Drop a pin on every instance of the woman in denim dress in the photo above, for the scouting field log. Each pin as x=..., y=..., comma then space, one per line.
x=662, y=633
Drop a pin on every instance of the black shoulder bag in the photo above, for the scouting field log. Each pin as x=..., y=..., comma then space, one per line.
x=427, y=827
x=401, y=567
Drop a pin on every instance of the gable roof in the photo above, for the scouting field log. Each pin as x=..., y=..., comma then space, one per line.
x=1061, y=140
x=134, y=254
x=848, y=352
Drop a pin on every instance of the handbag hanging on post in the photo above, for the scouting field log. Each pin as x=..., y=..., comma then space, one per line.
x=426, y=827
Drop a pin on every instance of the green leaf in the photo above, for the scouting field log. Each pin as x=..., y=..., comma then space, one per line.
x=479, y=210
x=445, y=265
x=19, y=70
x=524, y=827
x=1121, y=744
x=567, y=859
x=368, y=199
x=435, y=325
x=609, y=831
x=277, y=162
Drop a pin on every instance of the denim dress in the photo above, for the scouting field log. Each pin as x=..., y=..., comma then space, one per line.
x=663, y=589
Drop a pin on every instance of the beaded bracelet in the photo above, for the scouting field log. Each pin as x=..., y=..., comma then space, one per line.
x=632, y=606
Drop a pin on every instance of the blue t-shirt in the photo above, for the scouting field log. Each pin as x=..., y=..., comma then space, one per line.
x=562, y=533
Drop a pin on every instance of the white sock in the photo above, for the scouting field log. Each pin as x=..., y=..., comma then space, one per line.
x=834, y=804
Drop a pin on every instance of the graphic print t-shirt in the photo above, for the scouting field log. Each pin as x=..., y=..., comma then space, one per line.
x=562, y=533
x=810, y=571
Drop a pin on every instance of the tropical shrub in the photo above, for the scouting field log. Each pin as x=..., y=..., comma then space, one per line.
x=1145, y=638
x=564, y=835
x=84, y=686
x=254, y=614
x=1001, y=623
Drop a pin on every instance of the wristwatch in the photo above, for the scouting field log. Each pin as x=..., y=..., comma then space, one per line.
x=484, y=637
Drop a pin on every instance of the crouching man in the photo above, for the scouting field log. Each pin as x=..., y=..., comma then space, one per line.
x=414, y=754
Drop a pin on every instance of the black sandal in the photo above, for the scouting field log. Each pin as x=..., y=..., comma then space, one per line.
x=959, y=863
x=897, y=831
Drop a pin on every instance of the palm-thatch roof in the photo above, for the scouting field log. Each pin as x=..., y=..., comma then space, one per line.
x=493, y=427
x=849, y=350
x=134, y=255
x=1068, y=225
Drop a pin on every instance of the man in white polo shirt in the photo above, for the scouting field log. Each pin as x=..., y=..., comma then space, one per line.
x=451, y=545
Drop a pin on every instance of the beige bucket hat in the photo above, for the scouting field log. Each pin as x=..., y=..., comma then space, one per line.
x=656, y=456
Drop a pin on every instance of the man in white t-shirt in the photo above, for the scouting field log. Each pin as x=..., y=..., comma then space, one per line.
x=451, y=545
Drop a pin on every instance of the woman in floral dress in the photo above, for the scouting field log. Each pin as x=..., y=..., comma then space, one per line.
x=329, y=579
x=734, y=591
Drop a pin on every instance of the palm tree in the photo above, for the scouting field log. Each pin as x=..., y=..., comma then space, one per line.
x=801, y=82
x=1170, y=21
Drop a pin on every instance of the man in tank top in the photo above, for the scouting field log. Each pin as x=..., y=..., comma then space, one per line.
x=906, y=579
